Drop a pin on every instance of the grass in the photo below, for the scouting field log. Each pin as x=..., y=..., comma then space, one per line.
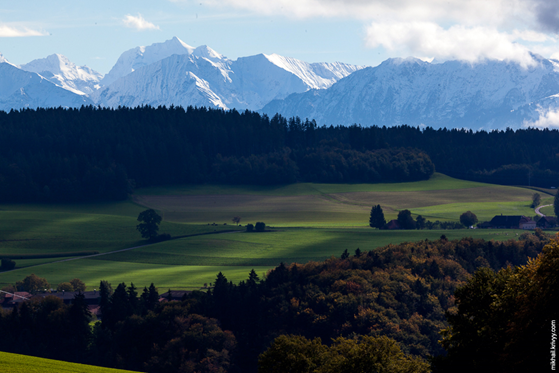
x=547, y=210
x=190, y=262
x=436, y=182
x=335, y=205
x=312, y=222
x=25, y=231
x=13, y=363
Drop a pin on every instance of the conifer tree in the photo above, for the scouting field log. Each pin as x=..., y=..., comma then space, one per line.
x=376, y=220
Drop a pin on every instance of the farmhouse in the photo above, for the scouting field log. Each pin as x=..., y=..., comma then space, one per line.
x=174, y=295
x=393, y=224
x=547, y=222
x=12, y=299
x=512, y=222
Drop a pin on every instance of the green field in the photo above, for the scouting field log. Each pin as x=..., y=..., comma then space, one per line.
x=309, y=222
x=13, y=363
x=336, y=205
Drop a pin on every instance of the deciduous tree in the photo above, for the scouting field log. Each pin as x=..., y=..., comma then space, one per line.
x=504, y=318
x=468, y=218
x=260, y=226
x=405, y=219
x=32, y=284
x=78, y=284
x=149, y=225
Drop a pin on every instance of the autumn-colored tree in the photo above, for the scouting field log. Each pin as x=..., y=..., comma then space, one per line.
x=32, y=284
x=65, y=286
x=503, y=319
x=292, y=353
x=78, y=284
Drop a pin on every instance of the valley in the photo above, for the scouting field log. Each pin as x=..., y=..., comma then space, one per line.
x=307, y=222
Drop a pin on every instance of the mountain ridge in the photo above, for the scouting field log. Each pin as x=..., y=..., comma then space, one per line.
x=488, y=95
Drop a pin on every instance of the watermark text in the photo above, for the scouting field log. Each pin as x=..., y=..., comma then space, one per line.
x=553, y=350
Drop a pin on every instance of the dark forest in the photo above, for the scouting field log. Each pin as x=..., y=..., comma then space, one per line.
x=92, y=153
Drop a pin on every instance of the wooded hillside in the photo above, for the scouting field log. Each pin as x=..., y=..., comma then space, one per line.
x=102, y=154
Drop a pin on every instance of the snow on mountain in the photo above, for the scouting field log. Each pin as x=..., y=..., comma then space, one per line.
x=146, y=75
x=58, y=69
x=316, y=75
x=172, y=81
x=492, y=94
x=24, y=89
x=4, y=60
x=138, y=57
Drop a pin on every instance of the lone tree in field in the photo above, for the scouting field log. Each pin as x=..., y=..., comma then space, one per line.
x=236, y=220
x=376, y=220
x=468, y=218
x=150, y=224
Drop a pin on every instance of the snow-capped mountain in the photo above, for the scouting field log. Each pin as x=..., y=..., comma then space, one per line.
x=485, y=95
x=163, y=73
x=171, y=81
x=24, y=89
x=138, y=57
x=58, y=69
x=491, y=94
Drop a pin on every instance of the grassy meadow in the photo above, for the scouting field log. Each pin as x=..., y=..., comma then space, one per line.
x=13, y=363
x=308, y=222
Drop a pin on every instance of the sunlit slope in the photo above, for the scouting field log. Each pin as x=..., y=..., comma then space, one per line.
x=309, y=222
x=13, y=363
x=331, y=205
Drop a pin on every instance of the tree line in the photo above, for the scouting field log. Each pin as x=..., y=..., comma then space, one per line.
x=402, y=294
x=103, y=154
x=406, y=221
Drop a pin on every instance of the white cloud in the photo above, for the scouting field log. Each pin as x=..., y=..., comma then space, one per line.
x=461, y=11
x=467, y=29
x=139, y=23
x=547, y=119
x=12, y=32
x=427, y=39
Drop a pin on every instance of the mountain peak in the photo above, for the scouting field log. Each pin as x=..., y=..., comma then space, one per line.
x=138, y=57
x=59, y=70
x=404, y=61
x=4, y=60
x=206, y=52
x=174, y=41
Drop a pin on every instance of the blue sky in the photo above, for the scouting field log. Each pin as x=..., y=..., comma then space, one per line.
x=363, y=32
